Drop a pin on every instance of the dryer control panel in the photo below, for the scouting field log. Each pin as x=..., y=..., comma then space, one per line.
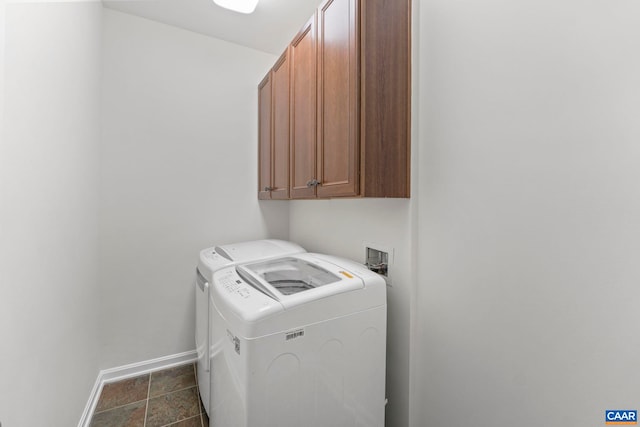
x=246, y=302
x=231, y=282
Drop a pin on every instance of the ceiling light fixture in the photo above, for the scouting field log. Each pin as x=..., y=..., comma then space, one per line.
x=242, y=6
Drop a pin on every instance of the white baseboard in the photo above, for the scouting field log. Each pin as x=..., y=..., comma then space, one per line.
x=129, y=371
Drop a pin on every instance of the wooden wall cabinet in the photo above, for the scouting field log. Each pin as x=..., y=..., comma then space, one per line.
x=273, y=131
x=303, y=111
x=264, y=138
x=350, y=97
x=338, y=161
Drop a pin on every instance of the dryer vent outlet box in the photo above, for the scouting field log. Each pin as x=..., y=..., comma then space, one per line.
x=377, y=260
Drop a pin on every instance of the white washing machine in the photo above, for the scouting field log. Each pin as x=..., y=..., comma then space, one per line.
x=211, y=260
x=298, y=341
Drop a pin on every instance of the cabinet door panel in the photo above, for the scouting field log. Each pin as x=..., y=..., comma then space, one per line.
x=264, y=138
x=303, y=111
x=280, y=151
x=338, y=161
x=385, y=95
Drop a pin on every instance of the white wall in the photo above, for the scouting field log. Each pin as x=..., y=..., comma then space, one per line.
x=341, y=227
x=529, y=202
x=526, y=190
x=50, y=58
x=179, y=174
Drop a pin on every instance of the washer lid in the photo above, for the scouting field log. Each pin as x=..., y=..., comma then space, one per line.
x=295, y=280
x=257, y=249
x=213, y=259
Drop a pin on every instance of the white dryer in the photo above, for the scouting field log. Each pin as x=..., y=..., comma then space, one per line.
x=212, y=260
x=298, y=341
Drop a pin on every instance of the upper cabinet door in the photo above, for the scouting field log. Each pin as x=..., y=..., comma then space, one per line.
x=338, y=61
x=385, y=98
x=264, y=138
x=303, y=112
x=280, y=113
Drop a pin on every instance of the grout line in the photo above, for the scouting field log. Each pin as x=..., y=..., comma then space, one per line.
x=146, y=410
x=116, y=407
x=176, y=422
x=180, y=389
x=175, y=391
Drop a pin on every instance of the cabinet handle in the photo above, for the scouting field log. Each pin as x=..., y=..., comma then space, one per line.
x=269, y=188
x=313, y=183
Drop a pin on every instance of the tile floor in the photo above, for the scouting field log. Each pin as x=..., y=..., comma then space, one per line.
x=162, y=398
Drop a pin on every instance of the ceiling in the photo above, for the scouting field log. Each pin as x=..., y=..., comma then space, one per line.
x=270, y=28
